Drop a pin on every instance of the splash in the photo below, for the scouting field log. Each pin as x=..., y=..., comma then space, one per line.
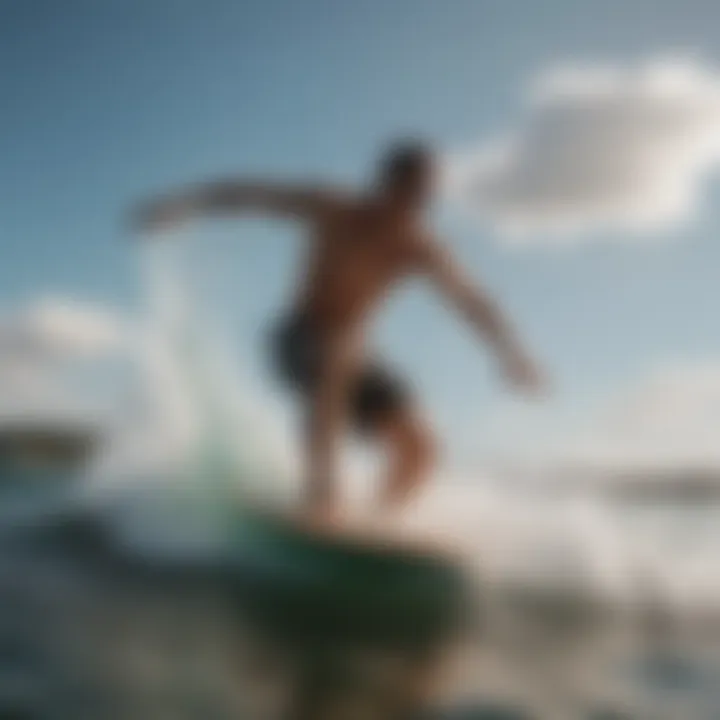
x=223, y=460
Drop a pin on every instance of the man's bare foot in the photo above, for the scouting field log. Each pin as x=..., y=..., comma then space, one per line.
x=321, y=519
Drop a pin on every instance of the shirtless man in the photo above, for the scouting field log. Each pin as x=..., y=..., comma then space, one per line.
x=361, y=245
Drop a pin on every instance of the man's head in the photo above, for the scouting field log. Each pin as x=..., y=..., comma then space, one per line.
x=407, y=173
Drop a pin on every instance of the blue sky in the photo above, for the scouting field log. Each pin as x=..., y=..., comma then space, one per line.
x=103, y=102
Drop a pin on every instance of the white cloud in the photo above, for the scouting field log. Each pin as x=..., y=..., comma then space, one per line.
x=40, y=344
x=602, y=148
x=78, y=328
x=58, y=327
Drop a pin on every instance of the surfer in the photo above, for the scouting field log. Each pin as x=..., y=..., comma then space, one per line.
x=361, y=245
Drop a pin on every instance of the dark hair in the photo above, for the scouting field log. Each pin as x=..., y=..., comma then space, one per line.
x=406, y=160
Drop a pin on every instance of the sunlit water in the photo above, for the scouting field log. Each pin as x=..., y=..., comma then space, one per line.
x=568, y=624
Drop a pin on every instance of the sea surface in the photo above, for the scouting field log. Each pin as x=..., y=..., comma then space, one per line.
x=589, y=608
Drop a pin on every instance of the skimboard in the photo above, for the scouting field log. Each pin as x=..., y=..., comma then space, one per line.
x=353, y=581
x=360, y=620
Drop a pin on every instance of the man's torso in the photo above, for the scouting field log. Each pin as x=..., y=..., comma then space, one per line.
x=358, y=252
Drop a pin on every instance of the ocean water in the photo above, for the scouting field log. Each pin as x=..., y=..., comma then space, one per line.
x=83, y=629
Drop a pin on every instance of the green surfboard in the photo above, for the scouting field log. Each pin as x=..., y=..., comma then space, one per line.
x=299, y=583
x=361, y=626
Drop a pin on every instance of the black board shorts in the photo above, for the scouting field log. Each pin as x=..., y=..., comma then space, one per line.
x=297, y=355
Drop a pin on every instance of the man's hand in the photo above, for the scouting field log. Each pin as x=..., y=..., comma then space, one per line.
x=524, y=375
x=160, y=214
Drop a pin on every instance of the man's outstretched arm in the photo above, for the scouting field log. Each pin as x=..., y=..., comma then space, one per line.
x=483, y=312
x=232, y=196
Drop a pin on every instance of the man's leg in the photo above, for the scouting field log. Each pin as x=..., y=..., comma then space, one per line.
x=384, y=411
x=410, y=447
x=328, y=407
